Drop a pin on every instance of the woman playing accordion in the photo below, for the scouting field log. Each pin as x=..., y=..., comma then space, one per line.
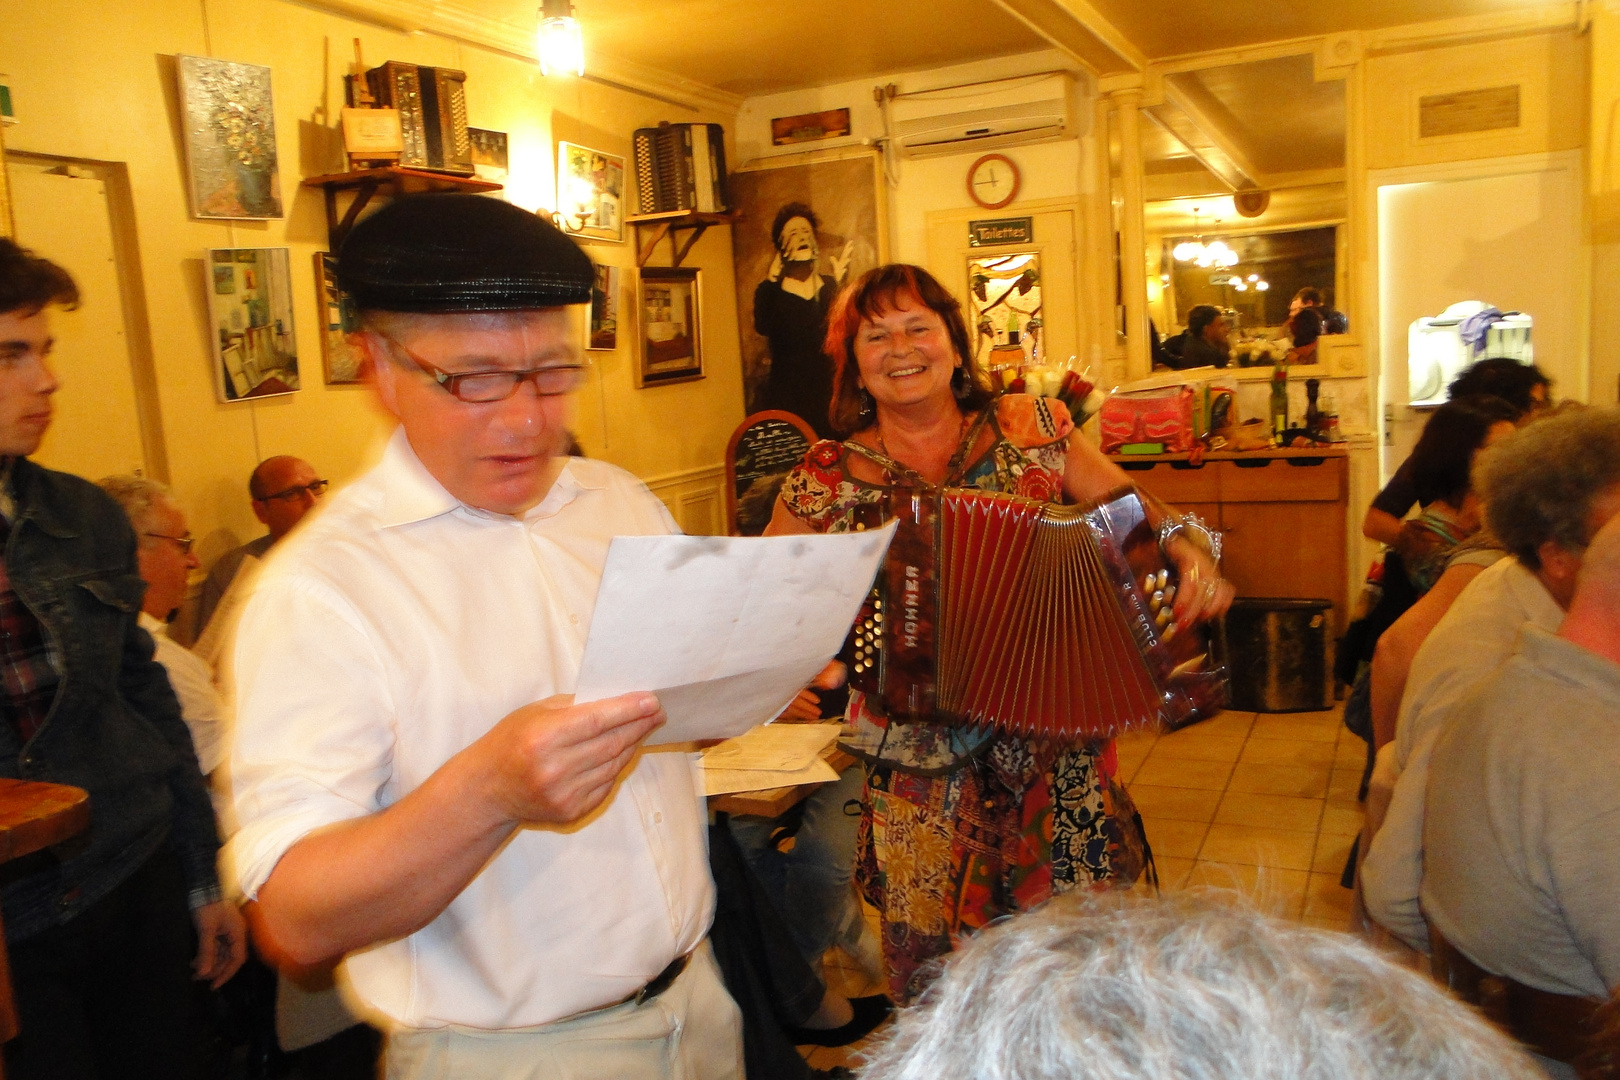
x=962, y=824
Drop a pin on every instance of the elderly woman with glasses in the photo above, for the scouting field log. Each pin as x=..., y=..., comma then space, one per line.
x=961, y=825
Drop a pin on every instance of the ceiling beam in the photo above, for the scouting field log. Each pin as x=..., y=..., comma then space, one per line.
x=466, y=23
x=1193, y=116
x=1080, y=32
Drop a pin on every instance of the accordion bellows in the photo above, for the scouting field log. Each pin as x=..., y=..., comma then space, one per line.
x=1030, y=618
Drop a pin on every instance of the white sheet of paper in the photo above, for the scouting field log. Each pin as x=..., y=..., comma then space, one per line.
x=726, y=781
x=773, y=748
x=725, y=629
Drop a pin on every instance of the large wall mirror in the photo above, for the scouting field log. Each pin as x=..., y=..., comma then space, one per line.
x=1250, y=157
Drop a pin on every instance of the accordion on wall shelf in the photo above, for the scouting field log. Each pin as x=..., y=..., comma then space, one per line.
x=681, y=167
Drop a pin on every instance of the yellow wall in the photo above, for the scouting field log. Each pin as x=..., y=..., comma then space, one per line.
x=95, y=79
x=1549, y=69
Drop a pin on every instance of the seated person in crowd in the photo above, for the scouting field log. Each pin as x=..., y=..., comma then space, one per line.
x=1547, y=491
x=1205, y=342
x=282, y=489
x=1523, y=386
x=1521, y=833
x=1109, y=986
x=163, y=552
x=1304, y=326
x=1440, y=466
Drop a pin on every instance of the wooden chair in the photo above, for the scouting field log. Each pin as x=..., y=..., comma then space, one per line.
x=1558, y=1026
x=32, y=816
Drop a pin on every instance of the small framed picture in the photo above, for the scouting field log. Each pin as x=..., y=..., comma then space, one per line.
x=590, y=192
x=338, y=321
x=603, y=335
x=251, y=323
x=670, y=330
x=489, y=153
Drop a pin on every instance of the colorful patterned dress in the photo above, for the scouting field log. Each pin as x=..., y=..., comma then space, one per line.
x=961, y=825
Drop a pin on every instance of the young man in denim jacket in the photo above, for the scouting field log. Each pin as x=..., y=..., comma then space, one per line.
x=101, y=944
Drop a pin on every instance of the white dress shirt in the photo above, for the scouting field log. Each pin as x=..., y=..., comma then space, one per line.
x=391, y=633
x=1470, y=643
x=201, y=707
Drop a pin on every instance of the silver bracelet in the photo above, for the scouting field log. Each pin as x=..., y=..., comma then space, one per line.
x=1197, y=533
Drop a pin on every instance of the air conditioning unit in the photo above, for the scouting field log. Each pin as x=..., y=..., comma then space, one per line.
x=1004, y=112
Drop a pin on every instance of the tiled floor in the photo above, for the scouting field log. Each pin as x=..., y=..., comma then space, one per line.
x=1264, y=804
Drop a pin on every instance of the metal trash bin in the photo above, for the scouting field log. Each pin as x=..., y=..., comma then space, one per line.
x=1277, y=654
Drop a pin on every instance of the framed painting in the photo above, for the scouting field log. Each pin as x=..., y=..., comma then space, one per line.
x=807, y=224
x=230, y=138
x=603, y=333
x=338, y=321
x=251, y=323
x=489, y=155
x=670, y=332
x=590, y=192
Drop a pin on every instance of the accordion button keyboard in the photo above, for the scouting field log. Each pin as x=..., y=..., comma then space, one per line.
x=1170, y=594
x=1156, y=602
x=1164, y=578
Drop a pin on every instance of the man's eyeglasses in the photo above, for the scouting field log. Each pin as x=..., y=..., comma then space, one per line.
x=183, y=542
x=478, y=387
x=314, y=487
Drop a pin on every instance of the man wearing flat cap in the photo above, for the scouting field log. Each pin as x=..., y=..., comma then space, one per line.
x=519, y=889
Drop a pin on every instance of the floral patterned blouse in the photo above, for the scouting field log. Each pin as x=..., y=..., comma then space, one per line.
x=1025, y=458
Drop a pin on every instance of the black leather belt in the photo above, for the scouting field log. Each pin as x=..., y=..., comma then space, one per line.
x=660, y=982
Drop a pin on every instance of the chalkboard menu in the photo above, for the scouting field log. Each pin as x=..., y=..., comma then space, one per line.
x=764, y=444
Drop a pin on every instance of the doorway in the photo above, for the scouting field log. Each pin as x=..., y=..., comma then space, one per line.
x=79, y=215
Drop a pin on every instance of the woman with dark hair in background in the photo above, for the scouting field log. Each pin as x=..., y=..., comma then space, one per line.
x=960, y=824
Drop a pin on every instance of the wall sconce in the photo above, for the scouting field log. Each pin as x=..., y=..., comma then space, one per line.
x=559, y=42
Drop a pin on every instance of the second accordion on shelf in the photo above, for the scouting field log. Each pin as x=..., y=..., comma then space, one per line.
x=1031, y=618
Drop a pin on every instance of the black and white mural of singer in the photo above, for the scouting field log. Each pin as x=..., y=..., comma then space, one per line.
x=790, y=312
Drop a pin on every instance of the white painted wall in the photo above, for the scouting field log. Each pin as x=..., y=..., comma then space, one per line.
x=1508, y=232
x=1051, y=170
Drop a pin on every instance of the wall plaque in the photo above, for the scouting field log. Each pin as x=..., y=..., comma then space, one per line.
x=1470, y=110
x=1020, y=230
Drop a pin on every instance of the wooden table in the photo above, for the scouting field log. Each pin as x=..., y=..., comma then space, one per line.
x=774, y=802
x=32, y=816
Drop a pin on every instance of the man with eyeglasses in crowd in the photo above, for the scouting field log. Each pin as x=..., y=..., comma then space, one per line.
x=517, y=889
x=283, y=489
x=102, y=947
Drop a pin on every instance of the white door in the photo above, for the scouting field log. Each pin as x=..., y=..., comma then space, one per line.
x=62, y=214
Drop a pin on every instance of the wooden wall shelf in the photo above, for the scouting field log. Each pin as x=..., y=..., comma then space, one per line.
x=396, y=179
x=671, y=224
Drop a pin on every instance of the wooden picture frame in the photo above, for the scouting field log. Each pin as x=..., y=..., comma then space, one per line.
x=590, y=192
x=669, y=325
x=343, y=363
x=602, y=326
x=250, y=322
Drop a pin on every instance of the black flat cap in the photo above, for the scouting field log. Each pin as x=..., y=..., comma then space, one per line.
x=453, y=252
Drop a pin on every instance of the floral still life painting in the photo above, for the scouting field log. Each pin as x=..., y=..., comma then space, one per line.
x=230, y=138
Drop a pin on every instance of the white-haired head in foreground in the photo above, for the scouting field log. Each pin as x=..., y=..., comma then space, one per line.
x=1108, y=986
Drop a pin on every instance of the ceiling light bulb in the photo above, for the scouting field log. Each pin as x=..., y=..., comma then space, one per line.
x=1254, y=277
x=1262, y=285
x=1240, y=287
x=1187, y=250
x=559, y=42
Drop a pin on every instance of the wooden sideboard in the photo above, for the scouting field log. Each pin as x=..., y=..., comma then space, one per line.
x=1282, y=513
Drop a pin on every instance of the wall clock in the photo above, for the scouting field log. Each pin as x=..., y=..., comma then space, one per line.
x=993, y=181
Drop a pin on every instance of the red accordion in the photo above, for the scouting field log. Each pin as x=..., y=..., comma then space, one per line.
x=1029, y=617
